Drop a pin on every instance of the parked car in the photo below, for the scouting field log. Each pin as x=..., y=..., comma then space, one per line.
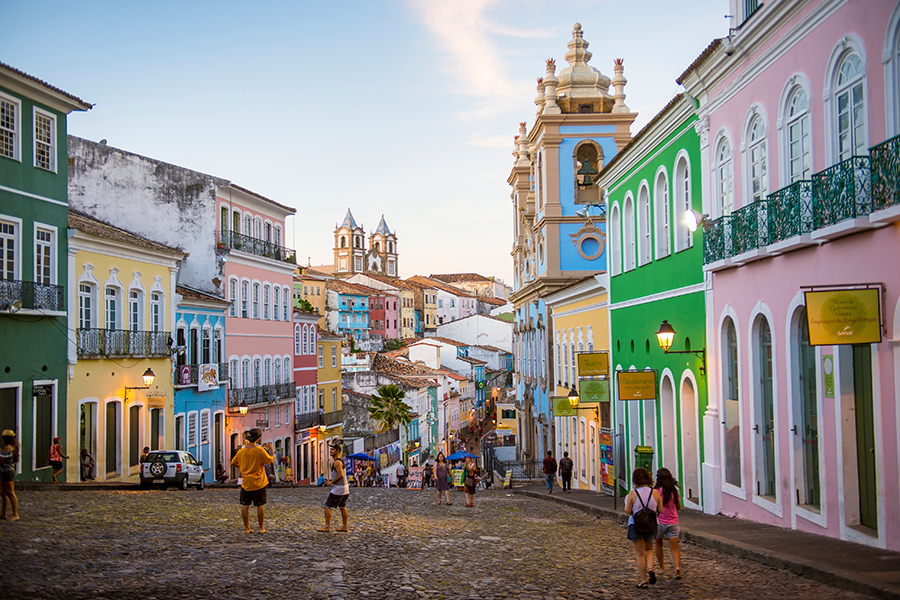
x=172, y=466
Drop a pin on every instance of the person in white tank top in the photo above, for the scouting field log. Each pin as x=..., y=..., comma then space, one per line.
x=340, y=487
x=642, y=495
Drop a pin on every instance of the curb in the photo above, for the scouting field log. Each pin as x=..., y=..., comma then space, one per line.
x=799, y=567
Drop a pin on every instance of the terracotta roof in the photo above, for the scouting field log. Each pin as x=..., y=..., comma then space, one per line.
x=418, y=284
x=666, y=109
x=396, y=353
x=391, y=366
x=700, y=59
x=453, y=374
x=471, y=361
x=92, y=226
x=344, y=287
x=261, y=197
x=307, y=312
x=494, y=301
x=459, y=277
x=76, y=99
x=456, y=343
x=325, y=334
x=441, y=285
x=191, y=294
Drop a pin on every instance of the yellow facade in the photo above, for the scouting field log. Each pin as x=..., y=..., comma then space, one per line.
x=311, y=289
x=120, y=323
x=580, y=323
x=328, y=372
x=407, y=314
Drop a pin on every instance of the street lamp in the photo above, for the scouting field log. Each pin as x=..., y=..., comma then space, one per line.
x=243, y=407
x=573, y=402
x=694, y=219
x=148, y=376
x=666, y=335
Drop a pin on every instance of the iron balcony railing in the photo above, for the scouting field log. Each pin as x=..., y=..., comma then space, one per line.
x=245, y=243
x=195, y=375
x=307, y=421
x=34, y=296
x=333, y=418
x=98, y=343
x=262, y=394
x=749, y=229
x=714, y=238
x=842, y=191
x=884, y=161
x=790, y=211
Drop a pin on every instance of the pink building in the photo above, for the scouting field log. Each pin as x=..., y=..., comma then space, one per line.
x=259, y=331
x=798, y=123
x=307, y=417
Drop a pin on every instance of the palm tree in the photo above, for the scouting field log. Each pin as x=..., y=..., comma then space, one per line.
x=389, y=409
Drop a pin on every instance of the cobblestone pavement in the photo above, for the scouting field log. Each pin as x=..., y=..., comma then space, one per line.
x=173, y=544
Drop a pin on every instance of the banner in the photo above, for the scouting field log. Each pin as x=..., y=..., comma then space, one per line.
x=593, y=364
x=594, y=390
x=208, y=377
x=840, y=317
x=636, y=385
x=414, y=479
x=184, y=375
x=607, y=470
x=458, y=476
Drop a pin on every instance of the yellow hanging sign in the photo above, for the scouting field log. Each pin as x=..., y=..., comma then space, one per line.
x=840, y=317
x=636, y=385
x=593, y=364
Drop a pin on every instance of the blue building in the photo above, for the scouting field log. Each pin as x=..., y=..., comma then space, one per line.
x=347, y=308
x=201, y=378
x=560, y=226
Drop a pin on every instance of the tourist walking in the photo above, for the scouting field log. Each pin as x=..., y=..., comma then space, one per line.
x=9, y=456
x=340, y=490
x=470, y=481
x=668, y=520
x=442, y=478
x=251, y=461
x=55, y=459
x=565, y=472
x=549, y=471
x=87, y=465
x=643, y=504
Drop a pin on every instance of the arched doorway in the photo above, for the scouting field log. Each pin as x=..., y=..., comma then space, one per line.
x=669, y=457
x=690, y=449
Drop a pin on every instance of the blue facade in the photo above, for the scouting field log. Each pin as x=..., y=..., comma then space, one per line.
x=354, y=314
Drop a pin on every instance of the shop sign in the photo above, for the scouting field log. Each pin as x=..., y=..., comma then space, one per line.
x=562, y=408
x=594, y=390
x=828, y=373
x=593, y=364
x=838, y=317
x=42, y=390
x=208, y=378
x=636, y=385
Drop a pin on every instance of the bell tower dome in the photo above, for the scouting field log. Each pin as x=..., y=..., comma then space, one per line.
x=349, y=247
x=384, y=243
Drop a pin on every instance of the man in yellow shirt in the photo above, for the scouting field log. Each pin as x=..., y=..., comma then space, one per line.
x=251, y=460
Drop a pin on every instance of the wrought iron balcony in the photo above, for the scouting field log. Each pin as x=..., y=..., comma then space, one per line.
x=333, y=418
x=194, y=371
x=262, y=394
x=101, y=343
x=714, y=238
x=245, y=243
x=33, y=296
x=307, y=421
x=790, y=211
x=842, y=191
x=885, y=165
x=749, y=227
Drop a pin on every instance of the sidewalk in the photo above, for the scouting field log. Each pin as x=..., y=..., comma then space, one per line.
x=845, y=565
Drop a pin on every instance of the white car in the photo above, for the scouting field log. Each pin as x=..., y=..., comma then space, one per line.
x=171, y=466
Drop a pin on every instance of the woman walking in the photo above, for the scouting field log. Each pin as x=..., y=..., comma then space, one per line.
x=668, y=520
x=55, y=459
x=441, y=474
x=9, y=456
x=643, y=503
x=470, y=481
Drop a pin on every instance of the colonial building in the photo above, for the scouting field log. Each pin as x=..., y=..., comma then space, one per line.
x=351, y=255
x=579, y=127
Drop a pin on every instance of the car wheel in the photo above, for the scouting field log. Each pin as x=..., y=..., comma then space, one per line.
x=183, y=484
x=201, y=484
x=158, y=469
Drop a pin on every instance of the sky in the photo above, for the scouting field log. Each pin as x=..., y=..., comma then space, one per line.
x=401, y=108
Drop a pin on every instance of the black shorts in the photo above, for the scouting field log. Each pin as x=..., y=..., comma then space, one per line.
x=56, y=464
x=335, y=501
x=7, y=476
x=256, y=497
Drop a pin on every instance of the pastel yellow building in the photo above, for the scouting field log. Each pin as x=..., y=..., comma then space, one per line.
x=328, y=370
x=579, y=322
x=121, y=390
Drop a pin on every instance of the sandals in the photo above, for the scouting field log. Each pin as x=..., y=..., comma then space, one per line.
x=652, y=577
x=643, y=586
x=677, y=573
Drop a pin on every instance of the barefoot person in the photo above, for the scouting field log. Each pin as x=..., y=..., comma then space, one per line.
x=251, y=460
x=9, y=456
x=340, y=489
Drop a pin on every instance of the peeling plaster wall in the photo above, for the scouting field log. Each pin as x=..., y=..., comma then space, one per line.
x=163, y=202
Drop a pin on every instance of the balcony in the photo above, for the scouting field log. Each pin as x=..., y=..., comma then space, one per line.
x=104, y=343
x=307, y=421
x=790, y=211
x=884, y=161
x=181, y=381
x=229, y=240
x=749, y=228
x=842, y=192
x=33, y=296
x=714, y=246
x=262, y=394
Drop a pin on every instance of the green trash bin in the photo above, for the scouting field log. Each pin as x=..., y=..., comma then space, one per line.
x=643, y=458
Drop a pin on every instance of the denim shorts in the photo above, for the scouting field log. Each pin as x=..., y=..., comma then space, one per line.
x=665, y=530
x=635, y=536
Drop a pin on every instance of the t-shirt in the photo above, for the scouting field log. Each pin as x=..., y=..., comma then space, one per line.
x=669, y=515
x=250, y=460
x=549, y=465
x=566, y=465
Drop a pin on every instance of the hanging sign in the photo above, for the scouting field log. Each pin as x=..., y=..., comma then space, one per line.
x=607, y=470
x=636, y=385
x=41, y=390
x=184, y=375
x=594, y=390
x=838, y=317
x=593, y=364
x=828, y=374
x=208, y=377
x=562, y=408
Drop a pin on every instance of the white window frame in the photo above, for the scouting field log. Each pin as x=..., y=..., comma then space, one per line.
x=662, y=214
x=51, y=246
x=117, y=314
x=16, y=130
x=52, y=150
x=157, y=319
x=203, y=437
x=683, y=201
x=266, y=303
x=190, y=439
x=245, y=298
x=333, y=356
x=233, y=286
x=756, y=152
x=628, y=233
x=297, y=339
x=724, y=176
x=645, y=244
x=89, y=295
x=795, y=84
x=16, y=237
x=321, y=356
x=615, y=240
x=276, y=302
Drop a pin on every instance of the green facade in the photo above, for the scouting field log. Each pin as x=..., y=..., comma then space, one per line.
x=663, y=287
x=34, y=339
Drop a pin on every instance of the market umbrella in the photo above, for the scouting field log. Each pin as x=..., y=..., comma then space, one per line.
x=460, y=454
x=361, y=456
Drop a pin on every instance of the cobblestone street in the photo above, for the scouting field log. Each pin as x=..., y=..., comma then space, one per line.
x=173, y=544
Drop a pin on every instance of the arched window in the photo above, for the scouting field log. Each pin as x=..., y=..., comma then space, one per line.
x=297, y=346
x=277, y=376
x=731, y=403
x=663, y=216
x=757, y=159
x=305, y=340
x=257, y=372
x=683, y=238
x=256, y=293
x=628, y=237
x=764, y=409
x=725, y=178
x=644, y=244
x=797, y=130
x=343, y=242
x=276, y=302
x=850, y=104
x=615, y=241
x=266, y=300
x=806, y=419
x=267, y=372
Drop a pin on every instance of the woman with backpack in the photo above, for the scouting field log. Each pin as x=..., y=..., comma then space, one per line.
x=643, y=504
x=668, y=520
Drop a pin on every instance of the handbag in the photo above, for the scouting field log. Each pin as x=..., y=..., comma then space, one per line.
x=449, y=479
x=470, y=482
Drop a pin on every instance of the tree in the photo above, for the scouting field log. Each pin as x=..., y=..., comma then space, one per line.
x=389, y=409
x=305, y=305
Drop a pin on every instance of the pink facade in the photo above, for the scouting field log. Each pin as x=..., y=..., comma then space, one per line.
x=307, y=417
x=787, y=438
x=392, y=317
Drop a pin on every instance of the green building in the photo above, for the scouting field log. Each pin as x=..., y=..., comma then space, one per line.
x=33, y=264
x=656, y=275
